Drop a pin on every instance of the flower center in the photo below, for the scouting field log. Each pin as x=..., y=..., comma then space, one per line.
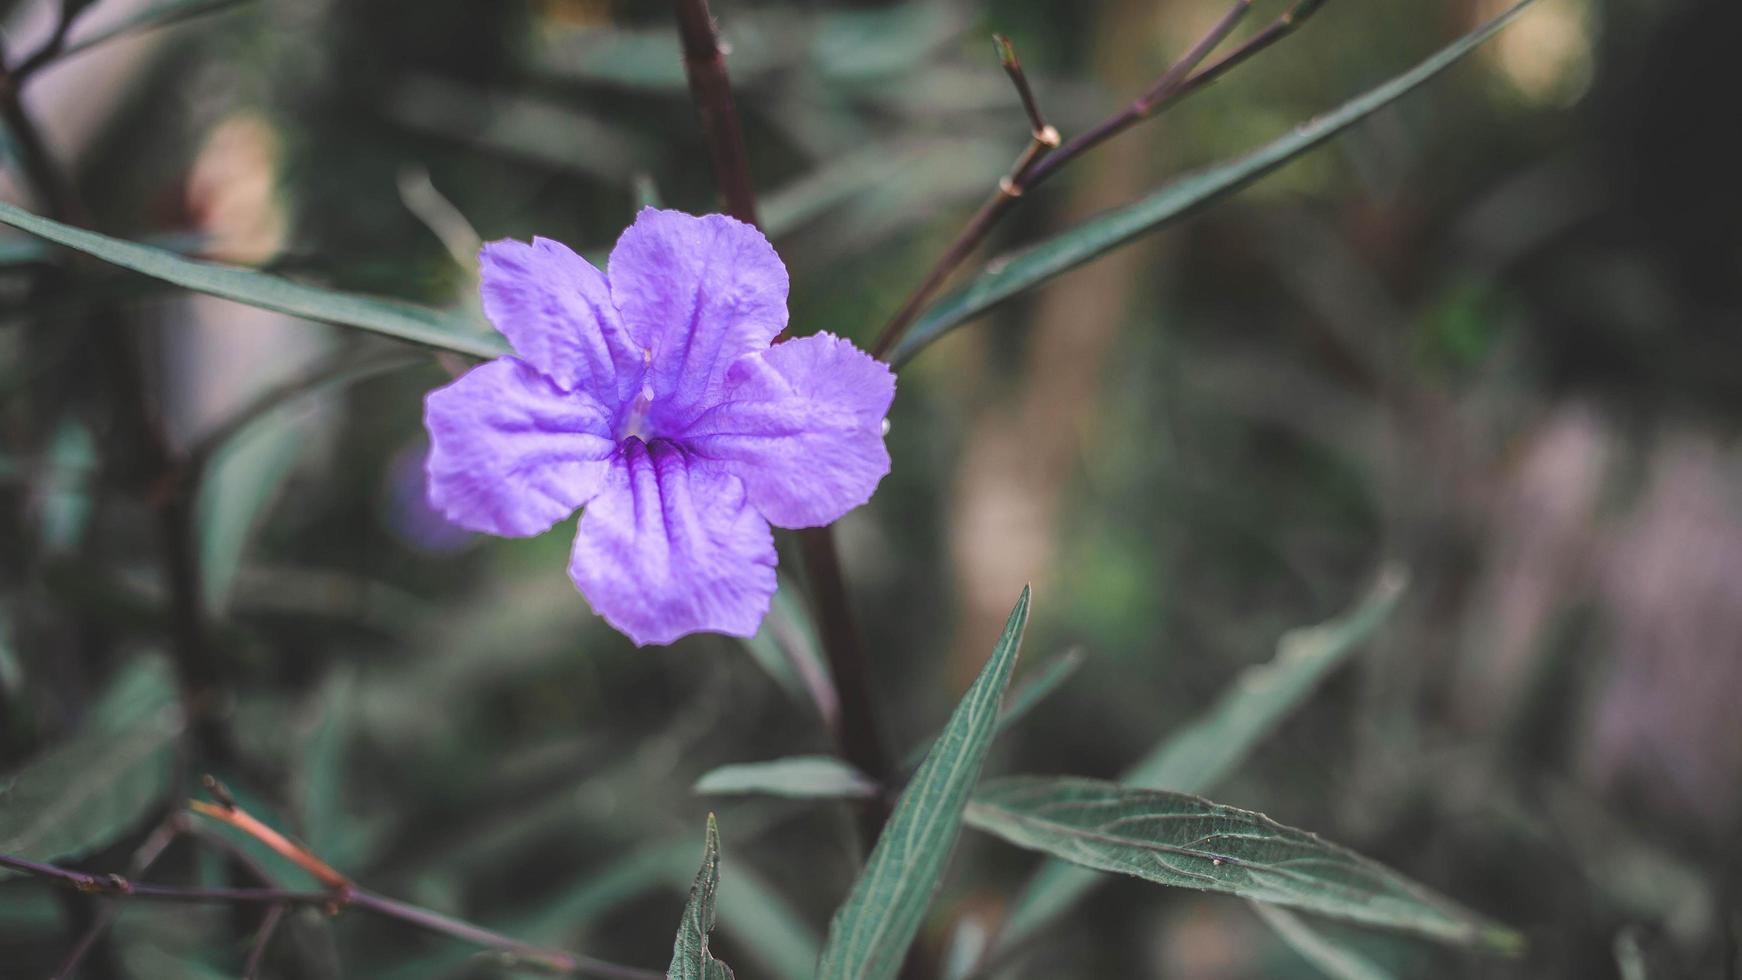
x=634, y=423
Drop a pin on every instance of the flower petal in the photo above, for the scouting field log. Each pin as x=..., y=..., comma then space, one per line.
x=698, y=293
x=670, y=547
x=510, y=452
x=802, y=425
x=556, y=310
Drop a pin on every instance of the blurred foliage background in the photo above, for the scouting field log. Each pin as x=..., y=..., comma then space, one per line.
x=1490, y=336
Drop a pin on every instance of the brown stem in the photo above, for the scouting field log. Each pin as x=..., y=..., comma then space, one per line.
x=711, y=90
x=1181, y=79
x=856, y=732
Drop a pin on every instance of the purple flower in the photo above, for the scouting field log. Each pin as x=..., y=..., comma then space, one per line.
x=650, y=396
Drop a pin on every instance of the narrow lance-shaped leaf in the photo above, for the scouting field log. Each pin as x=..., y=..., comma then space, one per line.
x=795, y=777
x=1006, y=277
x=390, y=318
x=870, y=932
x=821, y=777
x=1189, y=842
x=690, y=959
x=786, y=647
x=1333, y=959
x=1195, y=758
x=767, y=927
x=86, y=792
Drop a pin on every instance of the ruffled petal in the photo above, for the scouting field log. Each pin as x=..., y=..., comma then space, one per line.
x=556, y=310
x=510, y=452
x=698, y=292
x=802, y=425
x=670, y=547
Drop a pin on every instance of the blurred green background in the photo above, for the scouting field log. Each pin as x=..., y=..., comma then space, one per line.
x=1492, y=335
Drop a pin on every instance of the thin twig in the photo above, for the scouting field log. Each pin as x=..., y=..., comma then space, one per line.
x=119, y=886
x=1043, y=138
x=332, y=902
x=143, y=859
x=1285, y=24
x=51, y=48
x=262, y=939
x=1013, y=67
x=1181, y=79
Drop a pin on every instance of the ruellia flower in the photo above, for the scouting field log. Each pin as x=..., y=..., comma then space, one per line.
x=650, y=397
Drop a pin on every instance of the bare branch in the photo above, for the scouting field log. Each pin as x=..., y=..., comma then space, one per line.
x=1182, y=78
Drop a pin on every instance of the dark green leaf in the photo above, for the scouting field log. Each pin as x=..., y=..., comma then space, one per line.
x=870, y=932
x=1630, y=961
x=1334, y=959
x=1188, y=842
x=242, y=481
x=331, y=831
x=796, y=777
x=1194, y=758
x=391, y=318
x=1008, y=276
x=766, y=925
x=786, y=647
x=84, y=793
x=690, y=959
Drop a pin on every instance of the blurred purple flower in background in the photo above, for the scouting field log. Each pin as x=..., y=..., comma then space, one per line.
x=406, y=510
x=650, y=395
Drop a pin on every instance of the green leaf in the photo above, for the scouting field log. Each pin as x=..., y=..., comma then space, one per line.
x=690, y=959
x=327, y=823
x=1334, y=959
x=1006, y=277
x=1188, y=842
x=766, y=925
x=870, y=932
x=1026, y=698
x=786, y=647
x=86, y=792
x=243, y=480
x=797, y=777
x=1195, y=758
x=1198, y=756
x=1630, y=961
x=388, y=317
